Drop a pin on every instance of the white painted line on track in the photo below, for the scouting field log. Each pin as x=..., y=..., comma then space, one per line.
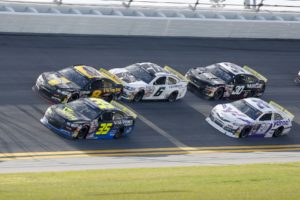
x=172, y=139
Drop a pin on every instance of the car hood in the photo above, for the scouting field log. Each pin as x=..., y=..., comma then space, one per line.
x=127, y=77
x=229, y=113
x=57, y=80
x=203, y=75
x=68, y=113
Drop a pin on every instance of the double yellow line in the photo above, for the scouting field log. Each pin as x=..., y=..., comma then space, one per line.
x=148, y=152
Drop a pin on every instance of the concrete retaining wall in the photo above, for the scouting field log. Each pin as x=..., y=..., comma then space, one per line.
x=70, y=20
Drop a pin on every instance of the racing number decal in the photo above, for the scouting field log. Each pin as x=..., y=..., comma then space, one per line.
x=238, y=89
x=104, y=128
x=96, y=93
x=159, y=91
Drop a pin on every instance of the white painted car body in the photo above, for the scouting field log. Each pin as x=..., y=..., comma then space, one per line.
x=148, y=78
x=261, y=118
x=297, y=79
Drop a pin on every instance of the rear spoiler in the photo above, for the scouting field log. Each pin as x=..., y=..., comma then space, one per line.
x=255, y=73
x=282, y=109
x=173, y=71
x=123, y=108
x=111, y=76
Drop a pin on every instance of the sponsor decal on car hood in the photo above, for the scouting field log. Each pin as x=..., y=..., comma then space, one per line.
x=231, y=114
x=55, y=79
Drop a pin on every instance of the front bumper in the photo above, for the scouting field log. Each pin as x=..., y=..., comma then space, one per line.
x=202, y=89
x=222, y=126
x=128, y=95
x=49, y=95
x=59, y=131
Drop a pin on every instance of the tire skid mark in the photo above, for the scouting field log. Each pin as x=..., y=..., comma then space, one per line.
x=25, y=131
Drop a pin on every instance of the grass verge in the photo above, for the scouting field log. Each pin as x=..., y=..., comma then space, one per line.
x=258, y=181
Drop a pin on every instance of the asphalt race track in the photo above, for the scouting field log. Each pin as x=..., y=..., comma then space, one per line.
x=162, y=124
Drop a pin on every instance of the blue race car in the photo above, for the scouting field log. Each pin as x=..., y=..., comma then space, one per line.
x=90, y=118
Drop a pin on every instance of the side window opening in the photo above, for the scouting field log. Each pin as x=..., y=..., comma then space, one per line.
x=106, y=117
x=277, y=117
x=160, y=81
x=240, y=79
x=107, y=83
x=266, y=117
x=251, y=79
x=172, y=81
x=96, y=85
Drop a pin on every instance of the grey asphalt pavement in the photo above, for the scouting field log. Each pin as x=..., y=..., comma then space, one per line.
x=24, y=57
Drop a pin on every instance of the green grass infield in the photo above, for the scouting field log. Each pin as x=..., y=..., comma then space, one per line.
x=257, y=181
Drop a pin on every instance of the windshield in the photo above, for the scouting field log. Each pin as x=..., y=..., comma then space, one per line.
x=247, y=109
x=220, y=73
x=140, y=73
x=83, y=108
x=74, y=76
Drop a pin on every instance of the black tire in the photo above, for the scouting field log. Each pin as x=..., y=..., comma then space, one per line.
x=173, y=96
x=109, y=98
x=73, y=97
x=218, y=94
x=82, y=133
x=245, y=132
x=119, y=134
x=278, y=132
x=138, y=96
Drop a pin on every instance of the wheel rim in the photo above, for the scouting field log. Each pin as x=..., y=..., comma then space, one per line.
x=245, y=132
x=138, y=97
x=73, y=97
x=108, y=98
x=118, y=135
x=172, y=97
x=277, y=132
x=82, y=133
x=218, y=94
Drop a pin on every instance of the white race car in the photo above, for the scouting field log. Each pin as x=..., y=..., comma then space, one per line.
x=148, y=81
x=297, y=79
x=251, y=117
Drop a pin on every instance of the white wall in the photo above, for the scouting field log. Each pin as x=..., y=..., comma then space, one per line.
x=146, y=26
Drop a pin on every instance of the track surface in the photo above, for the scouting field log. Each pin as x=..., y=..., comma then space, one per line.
x=23, y=58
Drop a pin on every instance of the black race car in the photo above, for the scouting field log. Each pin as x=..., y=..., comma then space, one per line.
x=226, y=80
x=90, y=118
x=78, y=81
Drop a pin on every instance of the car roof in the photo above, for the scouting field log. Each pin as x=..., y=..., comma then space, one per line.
x=233, y=68
x=88, y=71
x=260, y=105
x=153, y=68
x=101, y=104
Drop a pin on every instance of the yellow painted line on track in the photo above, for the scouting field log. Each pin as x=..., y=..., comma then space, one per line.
x=146, y=152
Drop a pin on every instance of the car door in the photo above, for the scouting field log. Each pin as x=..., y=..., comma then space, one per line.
x=160, y=88
x=252, y=84
x=173, y=85
x=239, y=85
x=264, y=124
x=105, y=123
x=96, y=88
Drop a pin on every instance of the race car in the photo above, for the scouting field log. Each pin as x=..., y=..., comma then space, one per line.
x=149, y=81
x=251, y=117
x=297, y=79
x=226, y=80
x=90, y=118
x=78, y=81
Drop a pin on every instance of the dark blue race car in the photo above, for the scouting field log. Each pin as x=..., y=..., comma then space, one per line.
x=90, y=118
